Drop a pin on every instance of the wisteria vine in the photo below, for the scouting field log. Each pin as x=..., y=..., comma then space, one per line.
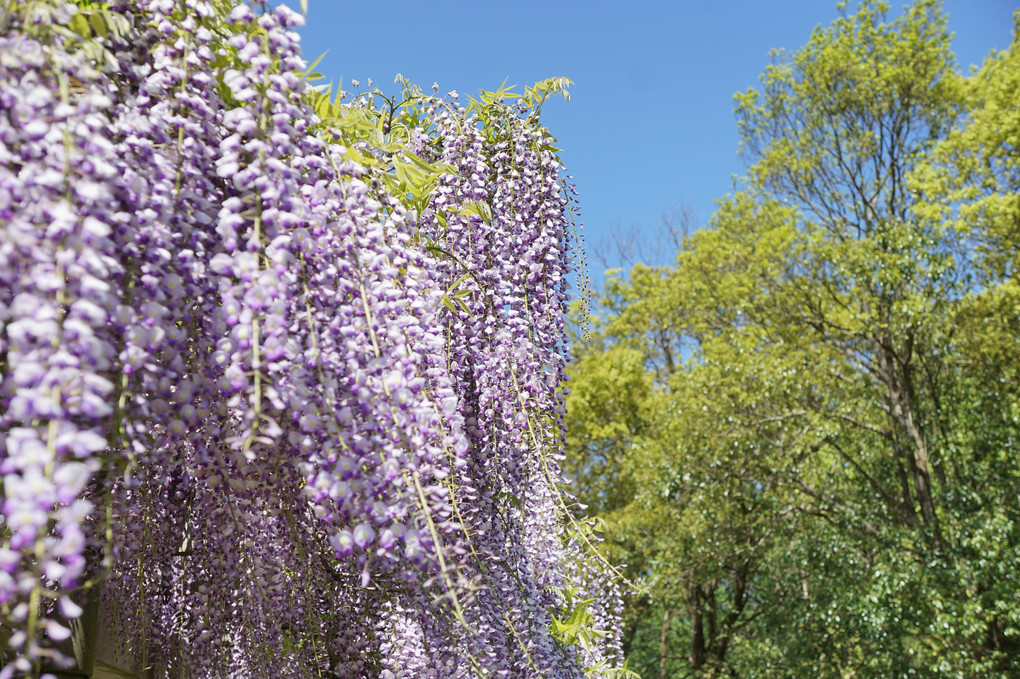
x=280, y=372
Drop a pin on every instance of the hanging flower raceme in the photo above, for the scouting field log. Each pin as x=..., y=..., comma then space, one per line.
x=57, y=296
x=285, y=414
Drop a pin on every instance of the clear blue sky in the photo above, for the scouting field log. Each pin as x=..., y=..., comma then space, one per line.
x=650, y=123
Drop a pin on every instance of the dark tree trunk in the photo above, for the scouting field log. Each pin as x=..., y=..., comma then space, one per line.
x=667, y=618
x=698, y=653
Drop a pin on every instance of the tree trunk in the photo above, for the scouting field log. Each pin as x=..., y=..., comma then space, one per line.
x=897, y=377
x=907, y=501
x=667, y=618
x=698, y=652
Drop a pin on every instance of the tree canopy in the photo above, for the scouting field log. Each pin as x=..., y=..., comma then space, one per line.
x=809, y=428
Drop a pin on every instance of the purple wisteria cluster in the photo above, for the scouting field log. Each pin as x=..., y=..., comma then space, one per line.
x=58, y=292
x=240, y=413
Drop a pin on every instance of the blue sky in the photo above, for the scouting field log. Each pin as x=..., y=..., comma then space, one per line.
x=650, y=123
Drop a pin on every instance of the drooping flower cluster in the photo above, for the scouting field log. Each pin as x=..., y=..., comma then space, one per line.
x=268, y=417
x=58, y=274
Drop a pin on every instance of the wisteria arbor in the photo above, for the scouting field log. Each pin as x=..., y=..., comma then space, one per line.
x=280, y=371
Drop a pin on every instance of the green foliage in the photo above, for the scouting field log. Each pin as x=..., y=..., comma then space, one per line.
x=833, y=122
x=576, y=625
x=375, y=129
x=972, y=179
x=88, y=29
x=802, y=436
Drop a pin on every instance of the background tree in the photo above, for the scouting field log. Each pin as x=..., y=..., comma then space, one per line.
x=828, y=482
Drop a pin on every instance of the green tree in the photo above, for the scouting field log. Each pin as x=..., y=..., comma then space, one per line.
x=971, y=181
x=835, y=130
x=814, y=410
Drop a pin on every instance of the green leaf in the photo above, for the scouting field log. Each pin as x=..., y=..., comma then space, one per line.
x=308, y=74
x=80, y=25
x=98, y=22
x=479, y=208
